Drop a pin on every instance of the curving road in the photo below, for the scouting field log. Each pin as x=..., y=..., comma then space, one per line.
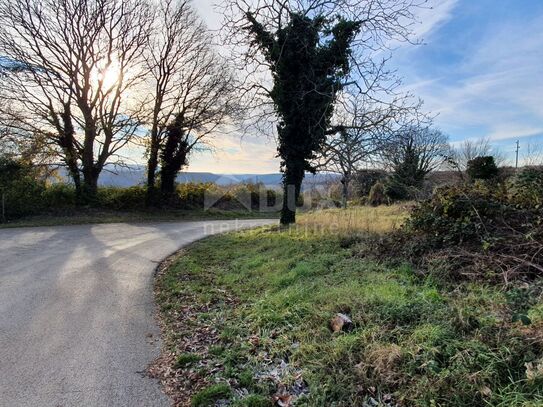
x=77, y=321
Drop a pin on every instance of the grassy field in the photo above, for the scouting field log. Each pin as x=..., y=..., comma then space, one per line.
x=355, y=220
x=246, y=319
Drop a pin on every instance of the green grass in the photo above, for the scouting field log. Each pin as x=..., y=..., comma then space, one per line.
x=270, y=294
x=208, y=396
x=95, y=216
x=186, y=359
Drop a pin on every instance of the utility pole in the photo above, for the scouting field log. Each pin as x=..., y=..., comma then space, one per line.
x=518, y=148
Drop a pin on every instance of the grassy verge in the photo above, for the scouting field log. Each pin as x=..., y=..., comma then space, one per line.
x=93, y=216
x=246, y=320
x=362, y=219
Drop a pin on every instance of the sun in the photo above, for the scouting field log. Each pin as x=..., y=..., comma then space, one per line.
x=107, y=76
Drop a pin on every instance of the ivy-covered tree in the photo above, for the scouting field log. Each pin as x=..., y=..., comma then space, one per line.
x=174, y=155
x=191, y=93
x=296, y=57
x=309, y=59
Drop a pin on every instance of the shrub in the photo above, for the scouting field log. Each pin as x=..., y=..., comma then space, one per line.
x=364, y=180
x=132, y=198
x=21, y=188
x=482, y=168
x=245, y=196
x=192, y=195
x=395, y=190
x=25, y=194
x=458, y=214
x=476, y=230
x=272, y=198
x=59, y=196
x=377, y=194
x=480, y=231
x=526, y=188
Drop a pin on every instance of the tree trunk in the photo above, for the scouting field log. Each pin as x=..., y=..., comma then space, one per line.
x=67, y=143
x=152, y=165
x=76, y=177
x=292, y=184
x=90, y=184
x=169, y=170
x=345, y=191
x=167, y=179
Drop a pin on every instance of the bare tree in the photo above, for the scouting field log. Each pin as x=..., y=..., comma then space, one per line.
x=30, y=149
x=77, y=64
x=8, y=140
x=363, y=127
x=192, y=91
x=413, y=152
x=471, y=149
x=532, y=154
x=298, y=55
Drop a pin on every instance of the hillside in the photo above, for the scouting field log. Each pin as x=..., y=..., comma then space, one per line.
x=135, y=175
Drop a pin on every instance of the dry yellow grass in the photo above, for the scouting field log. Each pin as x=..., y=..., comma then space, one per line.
x=357, y=219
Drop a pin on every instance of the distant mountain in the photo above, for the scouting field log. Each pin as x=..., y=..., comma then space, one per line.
x=229, y=179
x=135, y=175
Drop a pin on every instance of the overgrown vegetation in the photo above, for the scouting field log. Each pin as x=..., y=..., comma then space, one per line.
x=255, y=308
x=483, y=230
x=18, y=184
x=356, y=220
x=27, y=194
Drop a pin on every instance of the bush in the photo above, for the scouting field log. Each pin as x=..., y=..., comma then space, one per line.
x=132, y=198
x=377, y=194
x=481, y=231
x=247, y=196
x=482, y=168
x=21, y=189
x=526, y=188
x=236, y=197
x=26, y=195
x=396, y=191
x=59, y=196
x=192, y=195
x=459, y=214
x=476, y=230
x=364, y=180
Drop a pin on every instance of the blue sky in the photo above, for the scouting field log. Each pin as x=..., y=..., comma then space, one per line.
x=480, y=69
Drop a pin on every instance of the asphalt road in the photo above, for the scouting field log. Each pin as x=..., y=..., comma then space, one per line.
x=77, y=317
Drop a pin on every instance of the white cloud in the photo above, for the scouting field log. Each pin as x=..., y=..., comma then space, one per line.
x=432, y=16
x=235, y=155
x=492, y=88
x=515, y=132
x=496, y=88
x=209, y=14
